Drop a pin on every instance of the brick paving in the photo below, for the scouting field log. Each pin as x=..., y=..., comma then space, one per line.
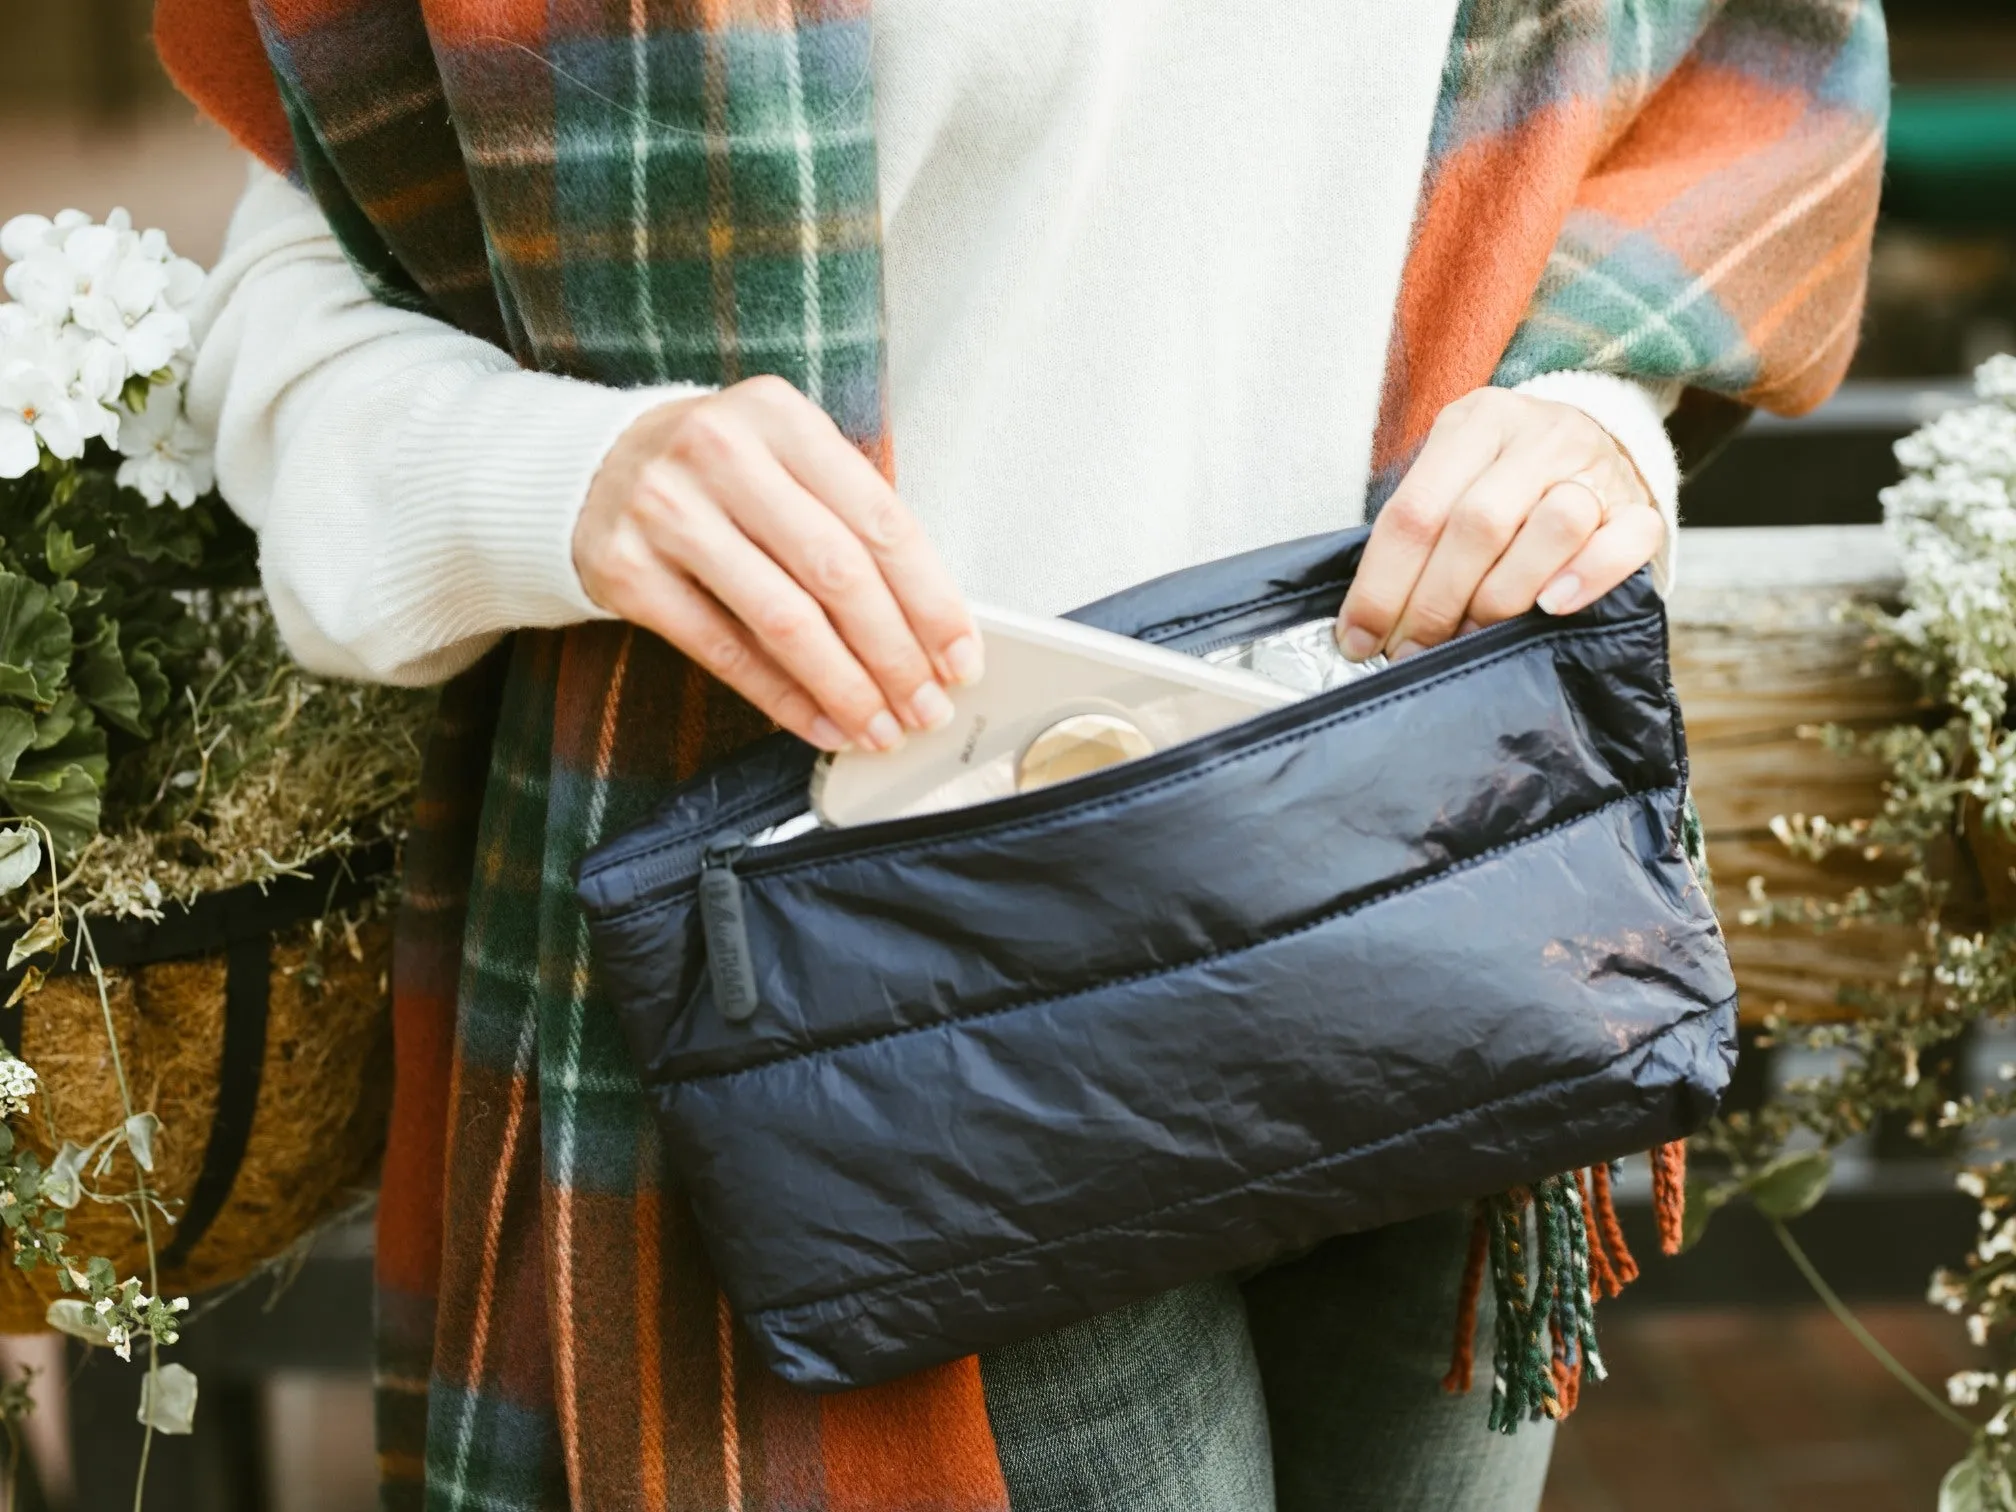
x=1756, y=1411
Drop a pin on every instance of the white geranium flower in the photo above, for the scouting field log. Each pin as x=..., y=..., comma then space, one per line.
x=166, y=455
x=17, y=1086
x=23, y=235
x=43, y=283
x=184, y=282
x=1964, y=1388
x=93, y=308
x=125, y=289
x=26, y=233
x=1997, y=379
x=90, y=372
x=101, y=279
x=145, y=343
x=35, y=407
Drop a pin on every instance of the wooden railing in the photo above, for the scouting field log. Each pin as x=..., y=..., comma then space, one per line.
x=1759, y=653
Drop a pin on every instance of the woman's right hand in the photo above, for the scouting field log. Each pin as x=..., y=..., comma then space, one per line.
x=746, y=530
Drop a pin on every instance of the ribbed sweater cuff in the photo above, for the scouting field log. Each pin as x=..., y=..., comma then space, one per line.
x=493, y=468
x=1634, y=413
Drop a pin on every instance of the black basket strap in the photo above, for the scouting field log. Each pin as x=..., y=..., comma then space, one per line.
x=248, y=973
x=215, y=921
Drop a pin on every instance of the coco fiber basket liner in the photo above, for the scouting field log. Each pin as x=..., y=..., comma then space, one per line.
x=265, y=1054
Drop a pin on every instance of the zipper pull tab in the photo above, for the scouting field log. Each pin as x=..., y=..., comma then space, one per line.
x=729, y=966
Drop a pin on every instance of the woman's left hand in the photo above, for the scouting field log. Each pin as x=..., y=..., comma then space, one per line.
x=1514, y=501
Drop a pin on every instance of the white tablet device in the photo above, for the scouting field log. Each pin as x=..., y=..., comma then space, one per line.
x=1059, y=700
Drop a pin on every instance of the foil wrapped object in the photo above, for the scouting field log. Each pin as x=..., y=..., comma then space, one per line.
x=1304, y=657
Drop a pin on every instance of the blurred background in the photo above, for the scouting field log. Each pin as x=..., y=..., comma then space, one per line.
x=1731, y=1391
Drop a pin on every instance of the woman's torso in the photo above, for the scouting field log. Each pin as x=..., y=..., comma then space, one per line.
x=1141, y=263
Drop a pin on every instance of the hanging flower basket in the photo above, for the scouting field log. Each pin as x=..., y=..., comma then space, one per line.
x=197, y=838
x=258, y=1036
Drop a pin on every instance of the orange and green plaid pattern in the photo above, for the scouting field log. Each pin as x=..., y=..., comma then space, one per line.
x=640, y=190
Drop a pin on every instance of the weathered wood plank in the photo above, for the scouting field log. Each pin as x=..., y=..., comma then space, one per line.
x=1758, y=652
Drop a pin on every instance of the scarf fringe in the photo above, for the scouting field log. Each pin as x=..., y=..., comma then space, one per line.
x=1463, y=1358
x=1669, y=1194
x=1623, y=1268
x=1553, y=1250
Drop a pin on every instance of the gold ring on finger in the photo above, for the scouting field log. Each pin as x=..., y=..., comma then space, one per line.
x=1586, y=481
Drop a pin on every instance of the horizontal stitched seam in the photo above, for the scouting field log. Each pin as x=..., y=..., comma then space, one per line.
x=1150, y=973
x=1174, y=779
x=883, y=1288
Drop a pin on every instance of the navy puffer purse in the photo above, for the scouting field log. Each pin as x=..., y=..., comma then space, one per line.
x=1422, y=939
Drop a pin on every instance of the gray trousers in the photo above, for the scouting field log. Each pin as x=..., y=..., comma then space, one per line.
x=1315, y=1386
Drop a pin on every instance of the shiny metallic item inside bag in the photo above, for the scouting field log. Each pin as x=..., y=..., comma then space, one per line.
x=1305, y=657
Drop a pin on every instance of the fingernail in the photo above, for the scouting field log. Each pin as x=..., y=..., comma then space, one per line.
x=1559, y=594
x=1467, y=626
x=827, y=735
x=965, y=660
x=1406, y=649
x=1358, y=643
x=930, y=707
x=884, y=734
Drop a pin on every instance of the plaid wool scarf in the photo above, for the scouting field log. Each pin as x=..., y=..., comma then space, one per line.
x=634, y=191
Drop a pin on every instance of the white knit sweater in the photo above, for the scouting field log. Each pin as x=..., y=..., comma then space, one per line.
x=1141, y=263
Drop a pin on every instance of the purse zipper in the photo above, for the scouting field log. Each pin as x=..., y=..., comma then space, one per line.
x=724, y=926
x=823, y=843
x=730, y=966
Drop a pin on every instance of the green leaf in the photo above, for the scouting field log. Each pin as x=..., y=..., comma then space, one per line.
x=66, y=798
x=1703, y=1201
x=34, y=641
x=99, y=674
x=17, y=734
x=77, y=1318
x=20, y=856
x=156, y=535
x=141, y=1130
x=64, y=1184
x=63, y=785
x=62, y=552
x=168, y=1399
x=155, y=689
x=46, y=933
x=1791, y=1184
x=54, y=724
x=1963, y=1489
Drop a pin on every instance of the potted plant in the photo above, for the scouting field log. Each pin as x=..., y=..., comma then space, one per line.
x=196, y=837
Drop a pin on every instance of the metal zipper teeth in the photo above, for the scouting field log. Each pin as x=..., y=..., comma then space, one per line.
x=1023, y=807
